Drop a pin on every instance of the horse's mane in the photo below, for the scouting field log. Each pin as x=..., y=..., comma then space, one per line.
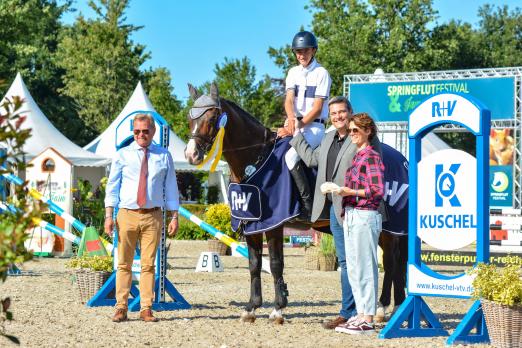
x=242, y=112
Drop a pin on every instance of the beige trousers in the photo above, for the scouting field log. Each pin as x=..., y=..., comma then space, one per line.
x=133, y=226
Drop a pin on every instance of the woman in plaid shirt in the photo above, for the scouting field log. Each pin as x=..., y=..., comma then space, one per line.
x=362, y=194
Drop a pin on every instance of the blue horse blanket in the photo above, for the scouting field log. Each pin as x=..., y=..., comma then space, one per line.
x=268, y=197
x=396, y=185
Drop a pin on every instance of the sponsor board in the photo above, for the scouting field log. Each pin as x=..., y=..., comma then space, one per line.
x=467, y=258
x=420, y=282
x=394, y=101
x=447, y=199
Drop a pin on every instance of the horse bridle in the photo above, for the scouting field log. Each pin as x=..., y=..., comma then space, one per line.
x=206, y=141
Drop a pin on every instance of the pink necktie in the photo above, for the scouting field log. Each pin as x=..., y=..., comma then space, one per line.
x=142, y=186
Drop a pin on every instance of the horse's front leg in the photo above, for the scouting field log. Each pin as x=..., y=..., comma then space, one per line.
x=277, y=264
x=255, y=255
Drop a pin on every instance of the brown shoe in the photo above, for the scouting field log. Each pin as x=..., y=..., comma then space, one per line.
x=120, y=315
x=146, y=316
x=332, y=324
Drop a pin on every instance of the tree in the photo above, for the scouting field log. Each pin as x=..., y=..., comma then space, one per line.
x=157, y=83
x=500, y=36
x=15, y=223
x=358, y=36
x=454, y=45
x=29, y=32
x=236, y=80
x=101, y=62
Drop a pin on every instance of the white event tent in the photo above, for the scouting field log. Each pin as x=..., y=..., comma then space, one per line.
x=45, y=135
x=104, y=145
x=57, y=162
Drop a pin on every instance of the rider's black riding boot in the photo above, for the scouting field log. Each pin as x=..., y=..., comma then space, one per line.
x=304, y=189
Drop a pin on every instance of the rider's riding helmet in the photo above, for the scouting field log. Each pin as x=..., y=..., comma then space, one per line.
x=304, y=39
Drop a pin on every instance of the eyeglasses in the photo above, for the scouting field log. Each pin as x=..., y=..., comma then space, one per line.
x=353, y=130
x=138, y=131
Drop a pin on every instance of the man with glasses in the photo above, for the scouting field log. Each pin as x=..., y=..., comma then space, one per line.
x=142, y=181
x=332, y=158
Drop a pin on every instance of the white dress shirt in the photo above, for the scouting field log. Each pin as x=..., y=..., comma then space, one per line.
x=122, y=186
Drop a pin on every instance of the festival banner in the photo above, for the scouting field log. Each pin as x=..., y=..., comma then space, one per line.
x=394, y=101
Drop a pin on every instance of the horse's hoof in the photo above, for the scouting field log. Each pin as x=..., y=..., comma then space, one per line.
x=248, y=317
x=276, y=317
x=279, y=321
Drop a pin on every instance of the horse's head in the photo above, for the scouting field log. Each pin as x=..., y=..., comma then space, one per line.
x=203, y=122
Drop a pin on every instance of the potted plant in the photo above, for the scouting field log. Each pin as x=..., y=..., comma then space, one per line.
x=500, y=293
x=218, y=216
x=90, y=273
x=327, y=257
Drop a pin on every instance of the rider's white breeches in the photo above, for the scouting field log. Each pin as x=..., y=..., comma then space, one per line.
x=313, y=133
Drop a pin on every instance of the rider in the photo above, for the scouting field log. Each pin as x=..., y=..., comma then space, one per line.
x=307, y=88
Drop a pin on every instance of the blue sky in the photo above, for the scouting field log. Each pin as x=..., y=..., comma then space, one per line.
x=190, y=37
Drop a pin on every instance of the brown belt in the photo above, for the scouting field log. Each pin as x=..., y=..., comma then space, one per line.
x=143, y=210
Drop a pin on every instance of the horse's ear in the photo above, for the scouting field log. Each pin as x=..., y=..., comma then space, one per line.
x=214, y=93
x=193, y=92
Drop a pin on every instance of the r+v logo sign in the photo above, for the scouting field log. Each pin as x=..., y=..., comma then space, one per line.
x=443, y=109
x=240, y=200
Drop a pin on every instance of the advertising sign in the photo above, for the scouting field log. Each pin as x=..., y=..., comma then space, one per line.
x=501, y=149
x=447, y=199
x=394, y=101
x=501, y=186
x=448, y=210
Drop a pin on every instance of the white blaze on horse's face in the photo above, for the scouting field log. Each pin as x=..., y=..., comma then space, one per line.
x=191, y=151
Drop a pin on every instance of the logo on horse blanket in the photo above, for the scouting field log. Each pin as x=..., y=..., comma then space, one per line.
x=267, y=198
x=245, y=201
x=395, y=190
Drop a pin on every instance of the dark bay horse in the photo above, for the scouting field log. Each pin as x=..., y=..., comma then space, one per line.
x=245, y=141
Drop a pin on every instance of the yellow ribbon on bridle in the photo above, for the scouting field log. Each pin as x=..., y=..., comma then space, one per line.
x=217, y=146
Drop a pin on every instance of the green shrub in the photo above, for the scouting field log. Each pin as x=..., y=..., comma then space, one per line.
x=94, y=263
x=218, y=216
x=196, y=209
x=187, y=229
x=327, y=245
x=89, y=204
x=500, y=285
x=13, y=226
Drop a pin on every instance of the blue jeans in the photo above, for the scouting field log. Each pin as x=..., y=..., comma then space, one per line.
x=361, y=235
x=348, y=303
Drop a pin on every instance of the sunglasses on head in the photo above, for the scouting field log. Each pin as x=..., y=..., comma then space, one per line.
x=138, y=131
x=353, y=130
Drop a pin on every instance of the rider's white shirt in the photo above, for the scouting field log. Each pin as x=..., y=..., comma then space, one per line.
x=308, y=83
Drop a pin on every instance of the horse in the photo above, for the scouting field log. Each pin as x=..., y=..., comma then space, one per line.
x=246, y=141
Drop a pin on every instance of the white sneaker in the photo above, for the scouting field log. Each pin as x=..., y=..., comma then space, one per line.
x=357, y=328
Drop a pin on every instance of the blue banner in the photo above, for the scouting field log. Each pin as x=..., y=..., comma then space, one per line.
x=501, y=186
x=394, y=101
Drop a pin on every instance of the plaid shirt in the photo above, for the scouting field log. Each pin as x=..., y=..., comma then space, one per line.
x=367, y=173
